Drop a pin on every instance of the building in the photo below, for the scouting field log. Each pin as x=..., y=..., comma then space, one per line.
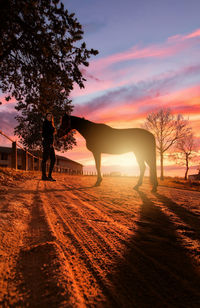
x=68, y=165
x=27, y=162
x=194, y=177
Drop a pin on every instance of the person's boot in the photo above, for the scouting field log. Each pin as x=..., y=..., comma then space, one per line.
x=44, y=177
x=50, y=171
x=50, y=178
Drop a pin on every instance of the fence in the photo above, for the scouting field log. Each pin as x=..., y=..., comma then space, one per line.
x=29, y=157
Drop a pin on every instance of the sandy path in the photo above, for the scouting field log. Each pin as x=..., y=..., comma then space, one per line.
x=68, y=244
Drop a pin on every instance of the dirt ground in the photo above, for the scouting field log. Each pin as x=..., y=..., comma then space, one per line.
x=68, y=244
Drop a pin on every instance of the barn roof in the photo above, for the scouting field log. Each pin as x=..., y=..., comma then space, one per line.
x=67, y=159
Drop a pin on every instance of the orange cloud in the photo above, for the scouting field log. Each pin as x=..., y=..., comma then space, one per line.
x=185, y=101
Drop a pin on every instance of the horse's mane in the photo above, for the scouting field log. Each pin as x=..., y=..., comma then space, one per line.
x=82, y=119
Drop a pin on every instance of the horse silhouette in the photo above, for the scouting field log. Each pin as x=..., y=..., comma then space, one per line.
x=101, y=138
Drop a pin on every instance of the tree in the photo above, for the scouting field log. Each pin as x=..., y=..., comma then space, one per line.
x=40, y=56
x=167, y=129
x=186, y=148
x=39, y=59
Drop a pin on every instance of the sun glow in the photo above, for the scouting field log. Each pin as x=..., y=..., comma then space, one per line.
x=125, y=164
x=127, y=159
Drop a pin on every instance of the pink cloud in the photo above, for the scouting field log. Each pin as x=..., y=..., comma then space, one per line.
x=5, y=102
x=145, y=94
x=193, y=34
x=101, y=76
x=185, y=101
x=138, y=53
x=172, y=46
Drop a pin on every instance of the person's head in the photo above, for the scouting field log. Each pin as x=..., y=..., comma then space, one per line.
x=49, y=117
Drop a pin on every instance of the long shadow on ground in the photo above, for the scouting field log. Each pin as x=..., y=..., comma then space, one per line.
x=156, y=270
x=187, y=216
x=39, y=263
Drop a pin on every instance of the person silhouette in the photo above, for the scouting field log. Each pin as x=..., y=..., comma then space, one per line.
x=48, y=131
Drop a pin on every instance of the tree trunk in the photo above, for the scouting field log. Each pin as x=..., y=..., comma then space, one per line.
x=161, y=167
x=187, y=166
x=186, y=173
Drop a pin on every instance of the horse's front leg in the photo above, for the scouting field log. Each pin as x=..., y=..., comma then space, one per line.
x=97, y=157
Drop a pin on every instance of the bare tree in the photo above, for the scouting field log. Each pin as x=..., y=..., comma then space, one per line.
x=167, y=129
x=186, y=148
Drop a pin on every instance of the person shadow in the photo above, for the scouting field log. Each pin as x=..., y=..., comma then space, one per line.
x=156, y=270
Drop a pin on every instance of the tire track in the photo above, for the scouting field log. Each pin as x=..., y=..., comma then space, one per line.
x=40, y=265
x=121, y=206
x=105, y=211
x=77, y=247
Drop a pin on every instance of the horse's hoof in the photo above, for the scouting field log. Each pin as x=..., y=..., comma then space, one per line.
x=98, y=183
x=154, y=190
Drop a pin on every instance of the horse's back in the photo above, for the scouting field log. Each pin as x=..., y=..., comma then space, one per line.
x=127, y=134
x=105, y=129
x=106, y=139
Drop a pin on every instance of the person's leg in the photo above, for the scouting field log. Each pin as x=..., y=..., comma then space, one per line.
x=44, y=160
x=52, y=162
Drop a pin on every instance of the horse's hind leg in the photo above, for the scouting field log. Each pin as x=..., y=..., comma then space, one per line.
x=142, y=170
x=151, y=161
x=97, y=157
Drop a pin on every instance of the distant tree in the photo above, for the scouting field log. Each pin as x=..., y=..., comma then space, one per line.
x=167, y=129
x=40, y=58
x=184, y=152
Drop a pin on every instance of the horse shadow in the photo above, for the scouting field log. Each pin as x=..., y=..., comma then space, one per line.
x=156, y=270
x=188, y=217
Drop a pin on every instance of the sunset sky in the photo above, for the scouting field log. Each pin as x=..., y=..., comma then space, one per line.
x=149, y=57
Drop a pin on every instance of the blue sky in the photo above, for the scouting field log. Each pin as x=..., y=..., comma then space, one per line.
x=112, y=26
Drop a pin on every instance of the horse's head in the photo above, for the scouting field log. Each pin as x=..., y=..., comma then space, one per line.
x=65, y=126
